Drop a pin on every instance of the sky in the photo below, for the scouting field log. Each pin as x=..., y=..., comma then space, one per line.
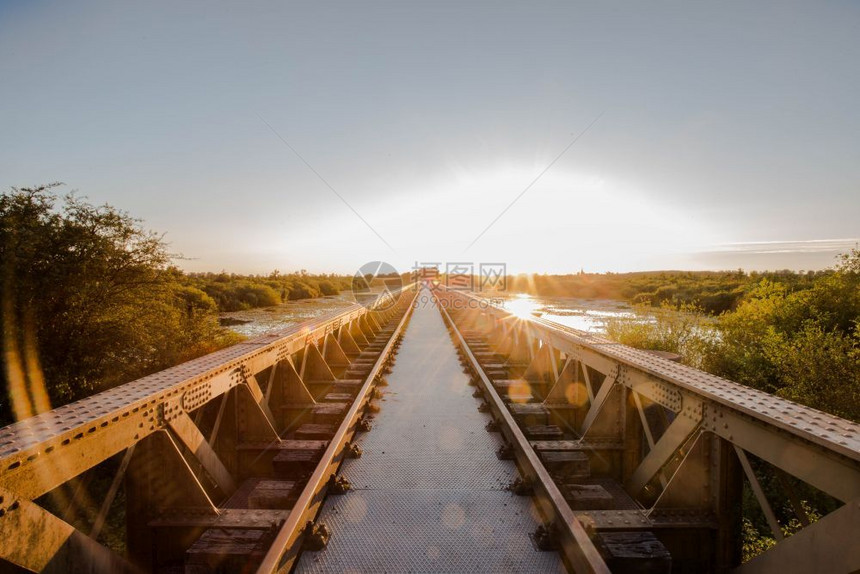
x=322, y=135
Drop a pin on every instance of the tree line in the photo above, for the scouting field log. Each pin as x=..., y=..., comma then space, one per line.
x=796, y=336
x=232, y=292
x=790, y=334
x=711, y=291
x=89, y=299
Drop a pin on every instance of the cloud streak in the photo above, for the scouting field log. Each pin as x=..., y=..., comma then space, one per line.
x=771, y=247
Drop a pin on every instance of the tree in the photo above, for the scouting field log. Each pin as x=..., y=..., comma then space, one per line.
x=326, y=287
x=89, y=300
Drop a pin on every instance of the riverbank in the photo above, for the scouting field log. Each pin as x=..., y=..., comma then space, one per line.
x=585, y=314
x=253, y=322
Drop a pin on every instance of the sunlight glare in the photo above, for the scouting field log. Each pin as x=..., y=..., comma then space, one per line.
x=522, y=306
x=570, y=220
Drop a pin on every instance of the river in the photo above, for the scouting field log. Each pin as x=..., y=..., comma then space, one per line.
x=584, y=314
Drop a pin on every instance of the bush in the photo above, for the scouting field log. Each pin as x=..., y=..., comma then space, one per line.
x=302, y=290
x=803, y=345
x=686, y=332
x=240, y=292
x=257, y=295
x=326, y=287
x=818, y=368
x=89, y=301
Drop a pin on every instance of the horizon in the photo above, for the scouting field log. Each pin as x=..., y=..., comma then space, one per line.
x=775, y=270
x=448, y=285
x=551, y=137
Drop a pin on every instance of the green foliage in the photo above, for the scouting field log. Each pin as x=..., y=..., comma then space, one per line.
x=303, y=290
x=754, y=542
x=713, y=292
x=233, y=292
x=818, y=368
x=685, y=331
x=802, y=344
x=798, y=338
x=326, y=287
x=241, y=294
x=756, y=534
x=89, y=301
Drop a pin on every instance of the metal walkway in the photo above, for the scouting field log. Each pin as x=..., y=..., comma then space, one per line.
x=429, y=492
x=630, y=461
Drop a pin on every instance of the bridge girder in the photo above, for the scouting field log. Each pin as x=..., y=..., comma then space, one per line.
x=683, y=432
x=180, y=428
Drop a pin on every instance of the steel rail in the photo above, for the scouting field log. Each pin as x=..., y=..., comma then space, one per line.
x=578, y=550
x=761, y=421
x=40, y=453
x=285, y=547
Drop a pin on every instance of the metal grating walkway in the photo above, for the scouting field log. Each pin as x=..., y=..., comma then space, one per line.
x=429, y=490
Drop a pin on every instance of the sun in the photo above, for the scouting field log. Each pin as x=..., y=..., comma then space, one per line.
x=522, y=306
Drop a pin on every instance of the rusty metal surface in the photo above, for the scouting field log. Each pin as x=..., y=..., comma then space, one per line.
x=835, y=434
x=579, y=551
x=23, y=434
x=41, y=452
x=429, y=488
x=709, y=424
x=452, y=531
x=283, y=551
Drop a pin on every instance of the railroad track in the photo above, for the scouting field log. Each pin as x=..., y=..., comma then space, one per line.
x=516, y=446
x=635, y=458
x=225, y=460
x=504, y=401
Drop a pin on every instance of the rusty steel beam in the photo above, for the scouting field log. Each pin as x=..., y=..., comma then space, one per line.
x=829, y=545
x=117, y=481
x=189, y=434
x=42, y=452
x=577, y=548
x=820, y=449
x=33, y=539
x=672, y=440
x=775, y=528
x=285, y=548
x=606, y=389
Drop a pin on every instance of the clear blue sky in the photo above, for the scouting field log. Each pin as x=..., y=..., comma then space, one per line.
x=724, y=126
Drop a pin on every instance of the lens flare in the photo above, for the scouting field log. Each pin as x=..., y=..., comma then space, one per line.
x=522, y=306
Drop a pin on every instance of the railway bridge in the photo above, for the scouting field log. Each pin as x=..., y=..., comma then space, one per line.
x=428, y=431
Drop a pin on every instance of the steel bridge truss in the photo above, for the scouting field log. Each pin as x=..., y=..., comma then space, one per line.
x=679, y=440
x=184, y=440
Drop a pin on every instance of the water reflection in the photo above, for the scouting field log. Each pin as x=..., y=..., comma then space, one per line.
x=253, y=322
x=584, y=314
